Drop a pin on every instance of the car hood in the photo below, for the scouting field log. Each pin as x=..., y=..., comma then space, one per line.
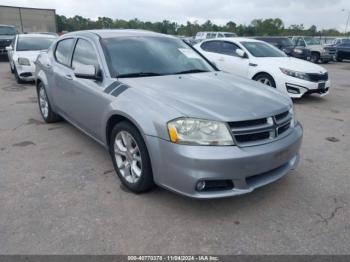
x=31, y=55
x=214, y=95
x=292, y=64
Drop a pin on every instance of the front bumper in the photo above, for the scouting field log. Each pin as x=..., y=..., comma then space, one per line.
x=26, y=73
x=296, y=88
x=180, y=167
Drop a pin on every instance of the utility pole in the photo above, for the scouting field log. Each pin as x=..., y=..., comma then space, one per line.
x=347, y=21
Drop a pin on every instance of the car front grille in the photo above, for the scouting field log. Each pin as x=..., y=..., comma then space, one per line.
x=262, y=130
x=318, y=77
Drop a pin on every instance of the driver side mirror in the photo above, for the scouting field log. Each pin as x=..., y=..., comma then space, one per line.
x=86, y=72
x=241, y=53
x=8, y=48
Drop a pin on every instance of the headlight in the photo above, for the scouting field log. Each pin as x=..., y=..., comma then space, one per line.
x=297, y=50
x=23, y=61
x=191, y=131
x=294, y=121
x=295, y=74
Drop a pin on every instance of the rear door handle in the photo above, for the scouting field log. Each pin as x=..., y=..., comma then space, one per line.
x=68, y=77
x=221, y=59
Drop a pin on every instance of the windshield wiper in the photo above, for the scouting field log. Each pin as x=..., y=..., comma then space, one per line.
x=191, y=71
x=140, y=74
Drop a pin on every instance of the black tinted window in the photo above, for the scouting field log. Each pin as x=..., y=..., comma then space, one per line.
x=211, y=46
x=228, y=48
x=64, y=51
x=84, y=53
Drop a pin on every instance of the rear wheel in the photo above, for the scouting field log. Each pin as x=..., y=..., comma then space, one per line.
x=130, y=158
x=265, y=79
x=44, y=105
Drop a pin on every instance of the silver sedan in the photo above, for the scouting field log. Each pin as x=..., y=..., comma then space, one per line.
x=167, y=115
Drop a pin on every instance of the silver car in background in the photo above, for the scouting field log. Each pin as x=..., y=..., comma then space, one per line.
x=167, y=115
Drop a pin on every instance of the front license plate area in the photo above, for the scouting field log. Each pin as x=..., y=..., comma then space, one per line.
x=322, y=86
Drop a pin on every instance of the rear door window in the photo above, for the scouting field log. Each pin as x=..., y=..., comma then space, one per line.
x=211, y=46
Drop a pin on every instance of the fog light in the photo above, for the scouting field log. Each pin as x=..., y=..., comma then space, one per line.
x=200, y=185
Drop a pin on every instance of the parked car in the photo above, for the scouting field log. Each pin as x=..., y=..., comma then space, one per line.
x=210, y=35
x=286, y=45
x=343, y=51
x=7, y=34
x=166, y=115
x=319, y=52
x=339, y=41
x=23, y=52
x=257, y=60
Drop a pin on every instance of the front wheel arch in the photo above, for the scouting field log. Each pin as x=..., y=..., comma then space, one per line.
x=112, y=121
x=257, y=75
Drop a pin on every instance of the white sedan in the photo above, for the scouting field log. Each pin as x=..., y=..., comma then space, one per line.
x=263, y=62
x=23, y=52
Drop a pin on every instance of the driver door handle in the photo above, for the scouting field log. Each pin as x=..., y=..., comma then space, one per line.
x=68, y=77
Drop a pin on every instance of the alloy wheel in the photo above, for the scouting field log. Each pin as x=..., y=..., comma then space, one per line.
x=128, y=157
x=44, y=105
x=265, y=81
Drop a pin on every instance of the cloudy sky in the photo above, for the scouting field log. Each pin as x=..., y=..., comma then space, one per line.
x=322, y=13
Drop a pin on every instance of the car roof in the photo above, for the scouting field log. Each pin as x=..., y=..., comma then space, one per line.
x=36, y=35
x=8, y=25
x=235, y=39
x=108, y=33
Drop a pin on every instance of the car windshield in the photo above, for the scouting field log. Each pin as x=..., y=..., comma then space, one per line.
x=312, y=41
x=6, y=30
x=151, y=56
x=34, y=43
x=260, y=49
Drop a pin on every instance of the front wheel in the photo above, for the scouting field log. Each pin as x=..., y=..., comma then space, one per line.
x=338, y=59
x=18, y=79
x=11, y=69
x=265, y=79
x=315, y=58
x=44, y=105
x=130, y=158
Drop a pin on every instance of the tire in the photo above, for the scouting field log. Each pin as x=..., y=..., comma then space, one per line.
x=315, y=58
x=11, y=69
x=46, y=111
x=325, y=61
x=265, y=79
x=338, y=59
x=132, y=164
x=18, y=79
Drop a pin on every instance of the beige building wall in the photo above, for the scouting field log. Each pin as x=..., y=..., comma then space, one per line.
x=29, y=19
